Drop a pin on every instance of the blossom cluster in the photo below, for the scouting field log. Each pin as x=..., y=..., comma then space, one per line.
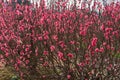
x=76, y=44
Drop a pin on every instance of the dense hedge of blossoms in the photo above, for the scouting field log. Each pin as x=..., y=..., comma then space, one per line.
x=76, y=44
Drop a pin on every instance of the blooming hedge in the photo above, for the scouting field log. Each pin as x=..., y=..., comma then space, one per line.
x=47, y=44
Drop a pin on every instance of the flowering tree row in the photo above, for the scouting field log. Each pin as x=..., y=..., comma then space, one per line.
x=76, y=44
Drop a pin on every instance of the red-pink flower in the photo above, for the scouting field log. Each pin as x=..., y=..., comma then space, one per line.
x=108, y=29
x=45, y=63
x=27, y=49
x=36, y=51
x=104, y=43
x=112, y=48
x=1, y=38
x=108, y=47
x=40, y=38
x=45, y=53
x=60, y=55
x=18, y=12
x=70, y=55
x=19, y=42
x=72, y=42
x=21, y=28
x=27, y=61
x=57, y=23
x=62, y=44
x=81, y=64
x=101, y=49
x=44, y=76
x=18, y=61
x=102, y=28
x=83, y=32
x=46, y=37
x=52, y=48
x=7, y=54
x=96, y=50
x=68, y=77
x=54, y=37
x=94, y=41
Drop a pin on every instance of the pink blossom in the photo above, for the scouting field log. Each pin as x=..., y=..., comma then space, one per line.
x=86, y=16
x=27, y=49
x=101, y=49
x=19, y=42
x=70, y=55
x=92, y=53
x=94, y=41
x=108, y=29
x=45, y=63
x=16, y=67
x=55, y=37
x=102, y=28
x=1, y=38
x=81, y=64
x=40, y=38
x=68, y=77
x=27, y=61
x=83, y=32
x=60, y=55
x=72, y=42
x=52, y=48
x=18, y=61
x=22, y=53
x=21, y=74
x=18, y=12
x=108, y=47
x=7, y=54
x=44, y=76
x=41, y=59
x=96, y=50
x=57, y=23
x=46, y=37
x=62, y=44
x=116, y=33
x=36, y=51
x=112, y=48
x=45, y=53
x=62, y=30
x=104, y=43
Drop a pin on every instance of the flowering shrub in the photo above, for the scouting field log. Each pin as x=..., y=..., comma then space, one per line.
x=71, y=44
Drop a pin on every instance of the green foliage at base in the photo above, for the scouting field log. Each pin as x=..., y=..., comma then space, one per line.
x=7, y=74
